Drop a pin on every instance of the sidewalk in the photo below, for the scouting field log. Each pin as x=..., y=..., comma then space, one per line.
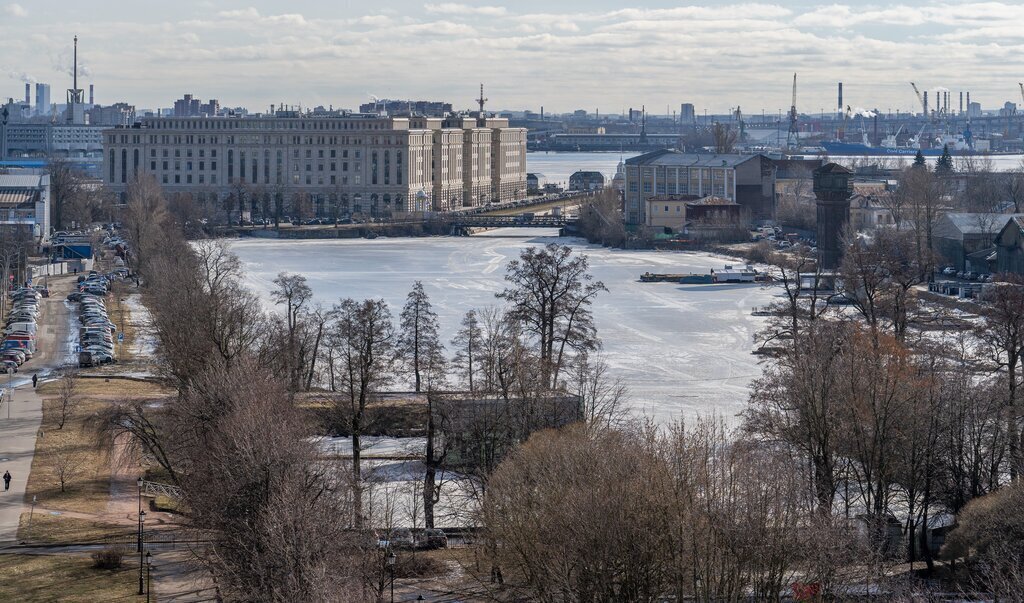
x=18, y=434
x=17, y=447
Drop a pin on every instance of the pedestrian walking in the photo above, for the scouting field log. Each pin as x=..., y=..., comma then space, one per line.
x=7, y=481
x=35, y=379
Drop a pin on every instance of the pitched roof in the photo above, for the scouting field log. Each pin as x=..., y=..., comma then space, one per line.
x=673, y=157
x=23, y=180
x=979, y=223
x=832, y=168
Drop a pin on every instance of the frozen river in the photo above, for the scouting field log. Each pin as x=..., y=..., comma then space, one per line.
x=681, y=349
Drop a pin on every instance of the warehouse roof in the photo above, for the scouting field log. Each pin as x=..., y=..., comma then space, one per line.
x=672, y=157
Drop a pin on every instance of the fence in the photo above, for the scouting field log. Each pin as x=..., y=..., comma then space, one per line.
x=58, y=268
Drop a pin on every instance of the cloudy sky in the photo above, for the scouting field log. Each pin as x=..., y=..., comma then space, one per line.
x=566, y=54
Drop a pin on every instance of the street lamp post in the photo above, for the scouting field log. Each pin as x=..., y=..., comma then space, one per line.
x=140, y=482
x=142, y=517
x=149, y=575
x=391, y=566
x=10, y=391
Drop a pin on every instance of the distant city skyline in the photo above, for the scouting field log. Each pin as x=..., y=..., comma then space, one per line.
x=574, y=55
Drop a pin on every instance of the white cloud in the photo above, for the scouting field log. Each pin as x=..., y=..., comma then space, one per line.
x=715, y=56
x=452, y=8
x=15, y=10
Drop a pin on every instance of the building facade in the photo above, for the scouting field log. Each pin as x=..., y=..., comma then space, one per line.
x=25, y=205
x=586, y=181
x=347, y=163
x=956, y=235
x=748, y=180
x=43, y=139
x=42, y=99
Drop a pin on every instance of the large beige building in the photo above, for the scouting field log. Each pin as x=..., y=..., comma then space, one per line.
x=337, y=163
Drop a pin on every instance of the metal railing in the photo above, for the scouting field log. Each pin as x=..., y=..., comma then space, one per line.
x=158, y=489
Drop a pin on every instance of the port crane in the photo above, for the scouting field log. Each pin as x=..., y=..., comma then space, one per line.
x=841, y=134
x=793, y=137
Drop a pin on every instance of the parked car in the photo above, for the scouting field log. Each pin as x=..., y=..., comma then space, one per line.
x=401, y=538
x=9, y=365
x=432, y=539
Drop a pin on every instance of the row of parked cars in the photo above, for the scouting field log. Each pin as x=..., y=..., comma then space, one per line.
x=96, y=333
x=19, y=343
x=967, y=275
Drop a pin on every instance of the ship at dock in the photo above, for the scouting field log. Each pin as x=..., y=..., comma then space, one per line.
x=730, y=275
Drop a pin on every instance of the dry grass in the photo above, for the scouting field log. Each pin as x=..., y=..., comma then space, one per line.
x=86, y=491
x=110, y=388
x=53, y=529
x=66, y=578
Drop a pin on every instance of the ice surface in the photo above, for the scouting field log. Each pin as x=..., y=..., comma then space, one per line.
x=681, y=349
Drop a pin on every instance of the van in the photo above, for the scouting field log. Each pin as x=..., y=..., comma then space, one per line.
x=29, y=327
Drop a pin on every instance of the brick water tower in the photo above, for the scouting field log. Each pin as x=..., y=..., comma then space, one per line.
x=833, y=186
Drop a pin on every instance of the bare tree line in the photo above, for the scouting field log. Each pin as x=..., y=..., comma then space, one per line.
x=858, y=419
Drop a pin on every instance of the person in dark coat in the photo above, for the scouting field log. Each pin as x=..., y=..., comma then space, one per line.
x=7, y=480
x=35, y=379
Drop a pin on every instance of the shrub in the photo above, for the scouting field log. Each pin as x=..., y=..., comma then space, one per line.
x=418, y=566
x=108, y=558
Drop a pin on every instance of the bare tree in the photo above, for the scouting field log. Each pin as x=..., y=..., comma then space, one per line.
x=364, y=342
x=550, y=293
x=67, y=462
x=1002, y=335
x=294, y=293
x=67, y=395
x=66, y=186
x=724, y=138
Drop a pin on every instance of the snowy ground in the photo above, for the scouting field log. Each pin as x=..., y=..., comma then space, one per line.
x=681, y=349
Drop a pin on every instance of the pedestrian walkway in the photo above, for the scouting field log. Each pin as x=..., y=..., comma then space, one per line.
x=18, y=433
x=17, y=447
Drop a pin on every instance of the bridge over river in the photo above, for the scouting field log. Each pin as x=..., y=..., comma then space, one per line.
x=465, y=222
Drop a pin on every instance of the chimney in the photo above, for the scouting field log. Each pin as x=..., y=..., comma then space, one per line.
x=28, y=94
x=926, y=103
x=840, y=98
x=91, y=94
x=961, y=102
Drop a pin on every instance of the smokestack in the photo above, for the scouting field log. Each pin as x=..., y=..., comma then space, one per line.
x=90, y=94
x=926, y=103
x=840, y=98
x=28, y=94
x=961, y=102
x=542, y=112
x=968, y=100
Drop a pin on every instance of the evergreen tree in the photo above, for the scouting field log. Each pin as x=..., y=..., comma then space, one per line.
x=919, y=160
x=419, y=343
x=945, y=164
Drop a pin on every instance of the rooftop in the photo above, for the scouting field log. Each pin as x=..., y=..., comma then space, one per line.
x=671, y=157
x=980, y=223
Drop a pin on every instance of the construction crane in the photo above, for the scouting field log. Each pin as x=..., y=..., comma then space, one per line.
x=841, y=134
x=920, y=99
x=1021, y=90
x=793, y=137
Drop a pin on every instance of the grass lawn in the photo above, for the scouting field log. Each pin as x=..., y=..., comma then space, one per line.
x=53, y=529
x=114, y=389
x=65, y=578
x=73, y=449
